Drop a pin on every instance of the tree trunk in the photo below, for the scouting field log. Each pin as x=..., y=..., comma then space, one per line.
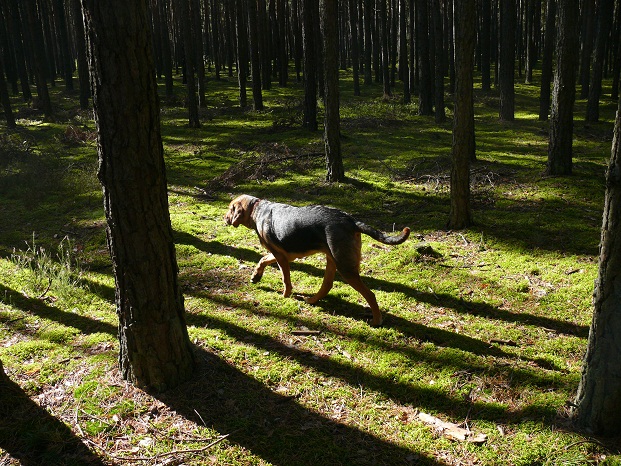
x=383, y=13
x=242, y=51
x=255, y=59
x=80, y=45
x=546, y=62
x=564, y=93
x=605, y=14
x=403, y=51
x=368, y=42
x=310, y=14
x=507, y=60
x=463, y=122
x=586, y=36
x=183, y=11
x=425, y=91
x=440, y=112
x=155, y=351
x=39, y=56
x=15, y=30
x=598, y=401
x=485, y=45
x=4, y=99
x=332, y=141
x=355, y=48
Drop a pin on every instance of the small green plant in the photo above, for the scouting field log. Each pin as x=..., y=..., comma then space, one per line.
x=60, y=269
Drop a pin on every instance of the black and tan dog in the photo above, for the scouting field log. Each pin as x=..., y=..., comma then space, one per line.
x=289, y=233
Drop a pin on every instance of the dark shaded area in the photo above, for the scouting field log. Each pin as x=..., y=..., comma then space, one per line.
x=276, y=427
x=31, y=435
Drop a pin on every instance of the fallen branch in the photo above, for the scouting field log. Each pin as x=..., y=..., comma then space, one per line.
x=452, y=431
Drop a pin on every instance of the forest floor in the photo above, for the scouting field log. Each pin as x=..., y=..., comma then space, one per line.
x=485, y=328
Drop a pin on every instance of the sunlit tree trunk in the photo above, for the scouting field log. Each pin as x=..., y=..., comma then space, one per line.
x=598, y=401
x=155, y=351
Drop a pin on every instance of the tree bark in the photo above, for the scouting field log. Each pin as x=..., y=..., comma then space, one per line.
x=242, y=51
x=403, y=52
x=310, y=14
x=39, y=56
x=546, y=62
x=4, y=99
x=155, y=351
x=507, y=60
x=485, y=45
x=604, y=25
x=332, y=141
x=425, y=94
x=598, y=401
x=440, y=112
x=255, y=59
x=564, y=93
x=463, y=122
x=586, y=36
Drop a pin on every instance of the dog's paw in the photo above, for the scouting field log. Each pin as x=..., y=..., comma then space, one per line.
x=256, y=277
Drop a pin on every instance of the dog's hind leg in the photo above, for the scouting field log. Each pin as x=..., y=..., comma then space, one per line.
x=283, y=263
x=328, y=280
x=356, y=283
x=258, y=270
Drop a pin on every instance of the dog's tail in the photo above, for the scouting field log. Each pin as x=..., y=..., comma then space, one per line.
x=381, y=237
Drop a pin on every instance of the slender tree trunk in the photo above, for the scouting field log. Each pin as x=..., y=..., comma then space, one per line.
x=255, y=59
x=463, y=122
x=598, y=401
x=15, y=30
x=383, y=13
x=586, y=36
x=368, y=42
x=155, y=351
x=440, y=112
x=242, y=51
x=40, y=61
x=507, y=60
x=183, y=8
x=564, y=93
x=546, y=62
x=403, y=51
x=310, y=13
x=80, y=45
x=485, y=45
x=332, y=141
x=4, y=99
x=355, y=48
x=605, y=14
x=425, y=91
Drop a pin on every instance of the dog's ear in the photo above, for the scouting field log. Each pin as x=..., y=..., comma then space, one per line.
x=237, y=214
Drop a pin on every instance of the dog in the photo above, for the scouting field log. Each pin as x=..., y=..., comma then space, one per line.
x=290, y=233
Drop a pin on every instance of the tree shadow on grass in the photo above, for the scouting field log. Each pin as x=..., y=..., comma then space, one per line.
x=37, y=307
x=31, y=435
x=276, y=427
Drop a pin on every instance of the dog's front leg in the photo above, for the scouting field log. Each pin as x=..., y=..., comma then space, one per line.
x=258, y=270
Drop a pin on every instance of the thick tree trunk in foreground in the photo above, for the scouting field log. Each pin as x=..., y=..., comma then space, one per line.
x=155, y=349
x=463, y=123
x=598, y=402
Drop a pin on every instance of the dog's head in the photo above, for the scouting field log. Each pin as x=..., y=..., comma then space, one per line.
x=240, y=210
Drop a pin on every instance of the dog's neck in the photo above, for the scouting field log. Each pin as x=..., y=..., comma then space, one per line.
x=251, y=207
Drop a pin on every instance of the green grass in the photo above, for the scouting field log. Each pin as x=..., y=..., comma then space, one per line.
x=485, y=328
